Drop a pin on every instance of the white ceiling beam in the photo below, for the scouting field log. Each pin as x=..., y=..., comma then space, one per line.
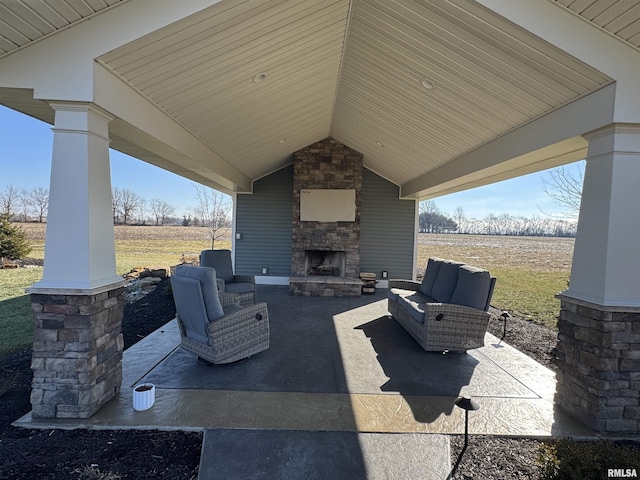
x=551, y=140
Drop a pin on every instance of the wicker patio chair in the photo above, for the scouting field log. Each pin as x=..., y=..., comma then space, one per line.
x=212, y=324
x=242, y=286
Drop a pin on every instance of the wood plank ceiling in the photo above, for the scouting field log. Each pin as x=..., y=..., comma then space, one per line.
x=25, y=21
x=412, y=84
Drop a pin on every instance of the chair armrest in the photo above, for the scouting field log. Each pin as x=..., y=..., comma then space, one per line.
x=227, y=299
x=246, y=316
x=404, y=284
x=221, y=285
x=244, y=279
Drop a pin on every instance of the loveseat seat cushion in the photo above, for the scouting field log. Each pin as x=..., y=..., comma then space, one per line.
x=207, y=278
x=414, y=305
x=472, y=288
x=446, y=281
x=394, y=293
x=430, y=276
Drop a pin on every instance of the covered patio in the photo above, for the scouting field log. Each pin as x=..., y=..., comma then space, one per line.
x=340, y=368
x=434, y=96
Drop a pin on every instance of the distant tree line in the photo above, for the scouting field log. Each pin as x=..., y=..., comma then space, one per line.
x=212, y=209
x=431, y=220
x=24, y=205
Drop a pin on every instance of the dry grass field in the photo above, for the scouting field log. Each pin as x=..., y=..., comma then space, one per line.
x=530, y=271
x=143, y=245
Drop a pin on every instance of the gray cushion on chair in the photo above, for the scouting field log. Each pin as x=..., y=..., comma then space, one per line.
x=472, y=288
x=207, y=278
x=430, y=275
x=220, y=260
x=446, y=282
x=187, y=293
x=234, y=287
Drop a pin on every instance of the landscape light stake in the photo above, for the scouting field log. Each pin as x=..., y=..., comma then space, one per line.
x=466, y=403
x=504, y=316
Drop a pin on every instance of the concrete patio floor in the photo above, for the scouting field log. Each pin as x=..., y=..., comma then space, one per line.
x=339, y=371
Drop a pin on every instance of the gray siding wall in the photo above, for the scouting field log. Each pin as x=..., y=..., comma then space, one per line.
x=264, y=220
x=387, y=228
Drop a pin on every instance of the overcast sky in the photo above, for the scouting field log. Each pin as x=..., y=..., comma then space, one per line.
x=25, y=159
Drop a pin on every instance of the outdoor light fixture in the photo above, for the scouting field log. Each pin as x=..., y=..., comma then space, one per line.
x=428, y=84
x=466, y=403
x=384, y=274
x=259, y=77
x=504, y=316
x=265, y=270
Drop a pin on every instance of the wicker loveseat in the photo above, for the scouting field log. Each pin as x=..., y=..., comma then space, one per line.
x=448, y=310
x=212, y=324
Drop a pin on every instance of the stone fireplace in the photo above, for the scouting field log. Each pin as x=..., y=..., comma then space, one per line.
x=325, y=263
x=326, y=254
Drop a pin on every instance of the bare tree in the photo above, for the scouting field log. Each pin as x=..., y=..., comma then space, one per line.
x=116, y=203
x=161, y=210
x=24, y=200
x=564, y=186
x=429, y=207
x=8, y=200
x=40, y=202
x=459, y=217
x=130, y=204
x=142, y=211
x=214, y=211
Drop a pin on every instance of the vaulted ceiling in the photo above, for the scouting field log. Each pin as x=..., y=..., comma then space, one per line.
x=412, y=84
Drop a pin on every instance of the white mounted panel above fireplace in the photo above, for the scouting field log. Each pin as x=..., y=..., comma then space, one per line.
x=328, y=205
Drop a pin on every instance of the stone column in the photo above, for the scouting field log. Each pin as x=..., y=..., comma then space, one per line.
x=78, y=304
x=599, y=323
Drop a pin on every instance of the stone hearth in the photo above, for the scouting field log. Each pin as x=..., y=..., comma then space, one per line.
x=326, y=255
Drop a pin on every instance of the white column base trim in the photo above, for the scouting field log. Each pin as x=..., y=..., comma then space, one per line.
x=70, y=288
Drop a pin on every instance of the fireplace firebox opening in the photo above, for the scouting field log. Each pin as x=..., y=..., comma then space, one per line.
x=328, y=263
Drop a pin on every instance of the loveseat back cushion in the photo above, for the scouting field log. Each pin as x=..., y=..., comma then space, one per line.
x=220, y=260
x=187, y=294
x=445, y=284
x=207, y=278
x=430, y=276
x=472, y=288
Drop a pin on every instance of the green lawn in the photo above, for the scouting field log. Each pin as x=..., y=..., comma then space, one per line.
x=16, y=320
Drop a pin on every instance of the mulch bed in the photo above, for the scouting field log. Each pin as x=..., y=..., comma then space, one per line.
x=102, y=454
x=93, y=454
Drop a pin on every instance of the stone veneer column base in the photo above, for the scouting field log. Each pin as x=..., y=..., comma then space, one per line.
x=598, y=379
x=77, y=352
